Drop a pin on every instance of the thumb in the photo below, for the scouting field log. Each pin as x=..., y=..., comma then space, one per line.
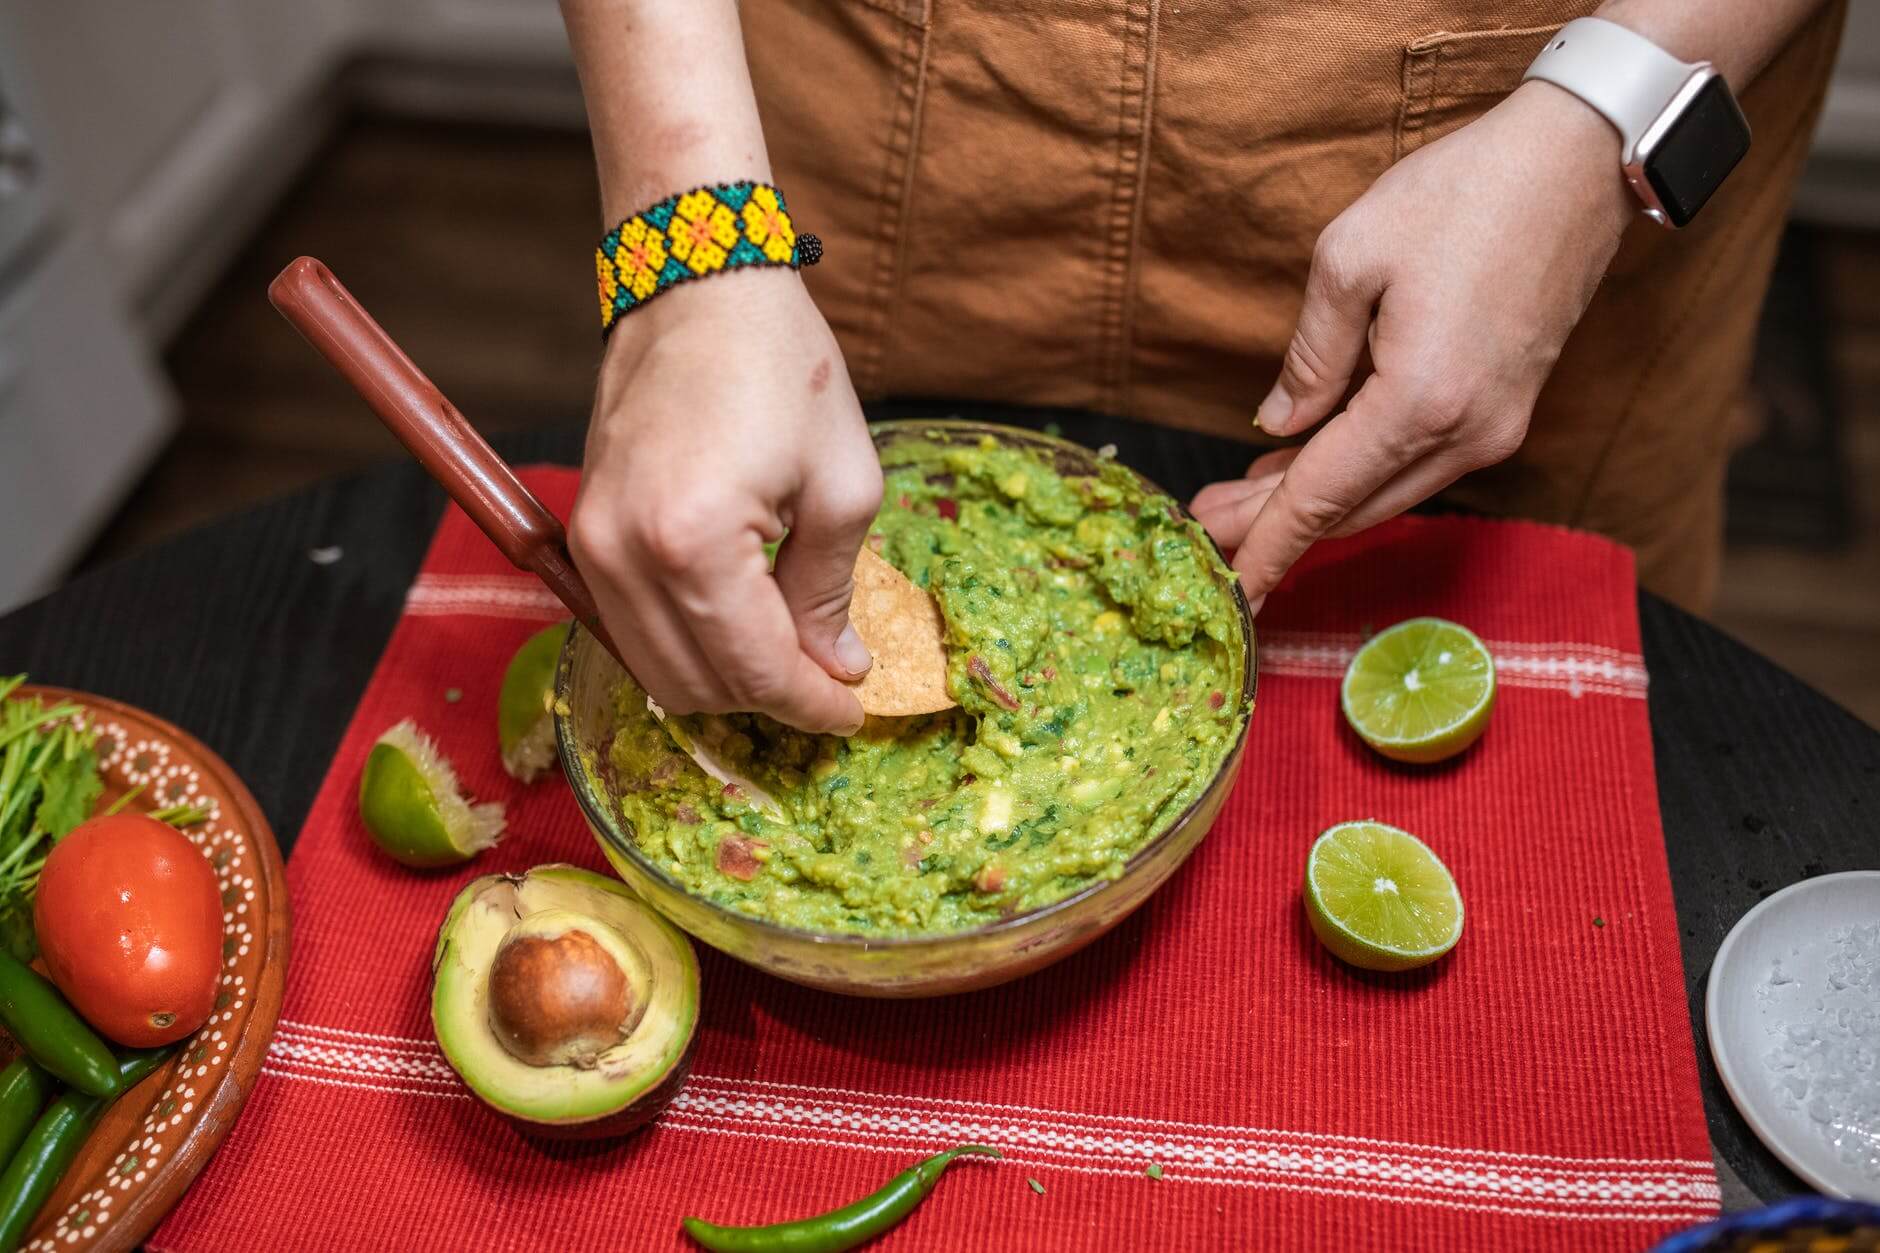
x=1327, y=341
x=816, y=570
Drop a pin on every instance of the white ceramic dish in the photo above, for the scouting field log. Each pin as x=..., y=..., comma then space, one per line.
x=1742, y=1009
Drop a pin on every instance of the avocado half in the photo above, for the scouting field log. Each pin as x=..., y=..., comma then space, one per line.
x=588, y=1026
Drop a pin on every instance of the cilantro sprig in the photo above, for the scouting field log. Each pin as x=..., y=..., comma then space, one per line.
x=49, y=782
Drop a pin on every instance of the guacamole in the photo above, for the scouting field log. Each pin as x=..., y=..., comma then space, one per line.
x=1095, y=652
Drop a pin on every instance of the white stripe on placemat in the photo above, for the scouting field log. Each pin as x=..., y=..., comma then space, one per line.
x=1577, y=669
x=1534, y=1185
x=488, y=596
x=1083, y=1131
x=290, y=1050
x=427, y=1059
x=1562, y=666
x=1690, y=1210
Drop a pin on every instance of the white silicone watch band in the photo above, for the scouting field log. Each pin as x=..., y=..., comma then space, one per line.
x=1623, y=75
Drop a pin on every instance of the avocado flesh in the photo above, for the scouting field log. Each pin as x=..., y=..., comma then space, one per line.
x=637, y=1066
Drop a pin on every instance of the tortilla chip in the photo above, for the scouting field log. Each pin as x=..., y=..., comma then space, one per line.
x=901, y=626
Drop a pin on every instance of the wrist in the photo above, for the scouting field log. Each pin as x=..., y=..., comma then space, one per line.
x=757, y=299
x=1582, y=144
x=677, y=156
x=700, y=233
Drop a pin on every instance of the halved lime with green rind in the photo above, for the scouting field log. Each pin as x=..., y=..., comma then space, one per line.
x=1420, y=691
x=411, y=804
x=1379, y=899
x=525, y=729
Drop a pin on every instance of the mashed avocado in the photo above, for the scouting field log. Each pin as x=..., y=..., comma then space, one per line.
x=1095, y=653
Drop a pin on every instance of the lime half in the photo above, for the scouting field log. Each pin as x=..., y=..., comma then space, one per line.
x=1421, y=690
x=410, y=802
x=524, y=728
x=1379, y=899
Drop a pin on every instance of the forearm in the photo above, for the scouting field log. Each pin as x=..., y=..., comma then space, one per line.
x=1739, y=36
x=668, y=94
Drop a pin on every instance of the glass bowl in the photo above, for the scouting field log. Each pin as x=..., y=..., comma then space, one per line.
x=890, y=966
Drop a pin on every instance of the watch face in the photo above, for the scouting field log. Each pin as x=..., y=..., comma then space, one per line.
x=1700, y=148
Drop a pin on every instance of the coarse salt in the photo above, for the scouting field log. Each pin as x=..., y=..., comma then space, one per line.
x=1826, y=1054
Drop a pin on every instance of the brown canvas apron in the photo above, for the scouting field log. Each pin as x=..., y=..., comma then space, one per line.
x=1023, y=200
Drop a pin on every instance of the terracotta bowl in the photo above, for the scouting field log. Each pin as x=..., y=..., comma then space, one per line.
x=155, y=1138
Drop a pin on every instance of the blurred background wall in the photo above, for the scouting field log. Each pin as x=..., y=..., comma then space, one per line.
x=160, y=159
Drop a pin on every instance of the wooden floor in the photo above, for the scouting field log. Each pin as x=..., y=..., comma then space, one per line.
x=472, y=247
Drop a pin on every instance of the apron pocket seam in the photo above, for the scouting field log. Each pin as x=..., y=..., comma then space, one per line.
x=916, y=13
x=896, y=198
x=1451, y=78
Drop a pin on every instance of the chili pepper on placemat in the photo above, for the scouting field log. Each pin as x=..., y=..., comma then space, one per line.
x=853, y=1224
x=1535, y=1089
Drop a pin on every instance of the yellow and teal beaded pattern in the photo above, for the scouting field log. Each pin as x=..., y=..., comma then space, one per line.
x=702, y=232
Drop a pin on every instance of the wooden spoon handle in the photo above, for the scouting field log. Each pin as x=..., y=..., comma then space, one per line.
x=440, y=437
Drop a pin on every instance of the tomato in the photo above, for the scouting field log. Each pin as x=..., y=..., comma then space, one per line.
x=130, y=925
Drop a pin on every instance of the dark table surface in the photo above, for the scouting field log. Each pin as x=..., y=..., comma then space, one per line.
x=234, y=633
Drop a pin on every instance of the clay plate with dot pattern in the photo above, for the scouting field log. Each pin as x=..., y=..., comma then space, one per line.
x=157, y=1137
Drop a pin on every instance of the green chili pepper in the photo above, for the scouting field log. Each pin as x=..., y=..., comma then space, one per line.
x=24, y=1090
x=55, y=1140
x=51, y=1032
x=839, y=1229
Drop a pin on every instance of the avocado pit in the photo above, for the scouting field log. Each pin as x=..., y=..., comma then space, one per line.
x=560, y=993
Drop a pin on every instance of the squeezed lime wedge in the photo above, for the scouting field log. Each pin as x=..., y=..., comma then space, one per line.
x=413, y=808
x=525, y=729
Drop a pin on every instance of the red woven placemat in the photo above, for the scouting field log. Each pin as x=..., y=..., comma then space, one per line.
x=1537, y=1089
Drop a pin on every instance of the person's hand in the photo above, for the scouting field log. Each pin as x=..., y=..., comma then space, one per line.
x=724, y=417
x=1462, y=270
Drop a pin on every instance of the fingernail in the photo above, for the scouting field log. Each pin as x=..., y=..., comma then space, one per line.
x=1274, y=411
x=851, y=652
x=1253, y=606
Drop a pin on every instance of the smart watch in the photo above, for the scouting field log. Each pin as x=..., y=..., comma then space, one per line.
x=1680, y=130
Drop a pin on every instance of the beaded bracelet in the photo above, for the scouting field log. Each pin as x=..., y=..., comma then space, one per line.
x=703, y=232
